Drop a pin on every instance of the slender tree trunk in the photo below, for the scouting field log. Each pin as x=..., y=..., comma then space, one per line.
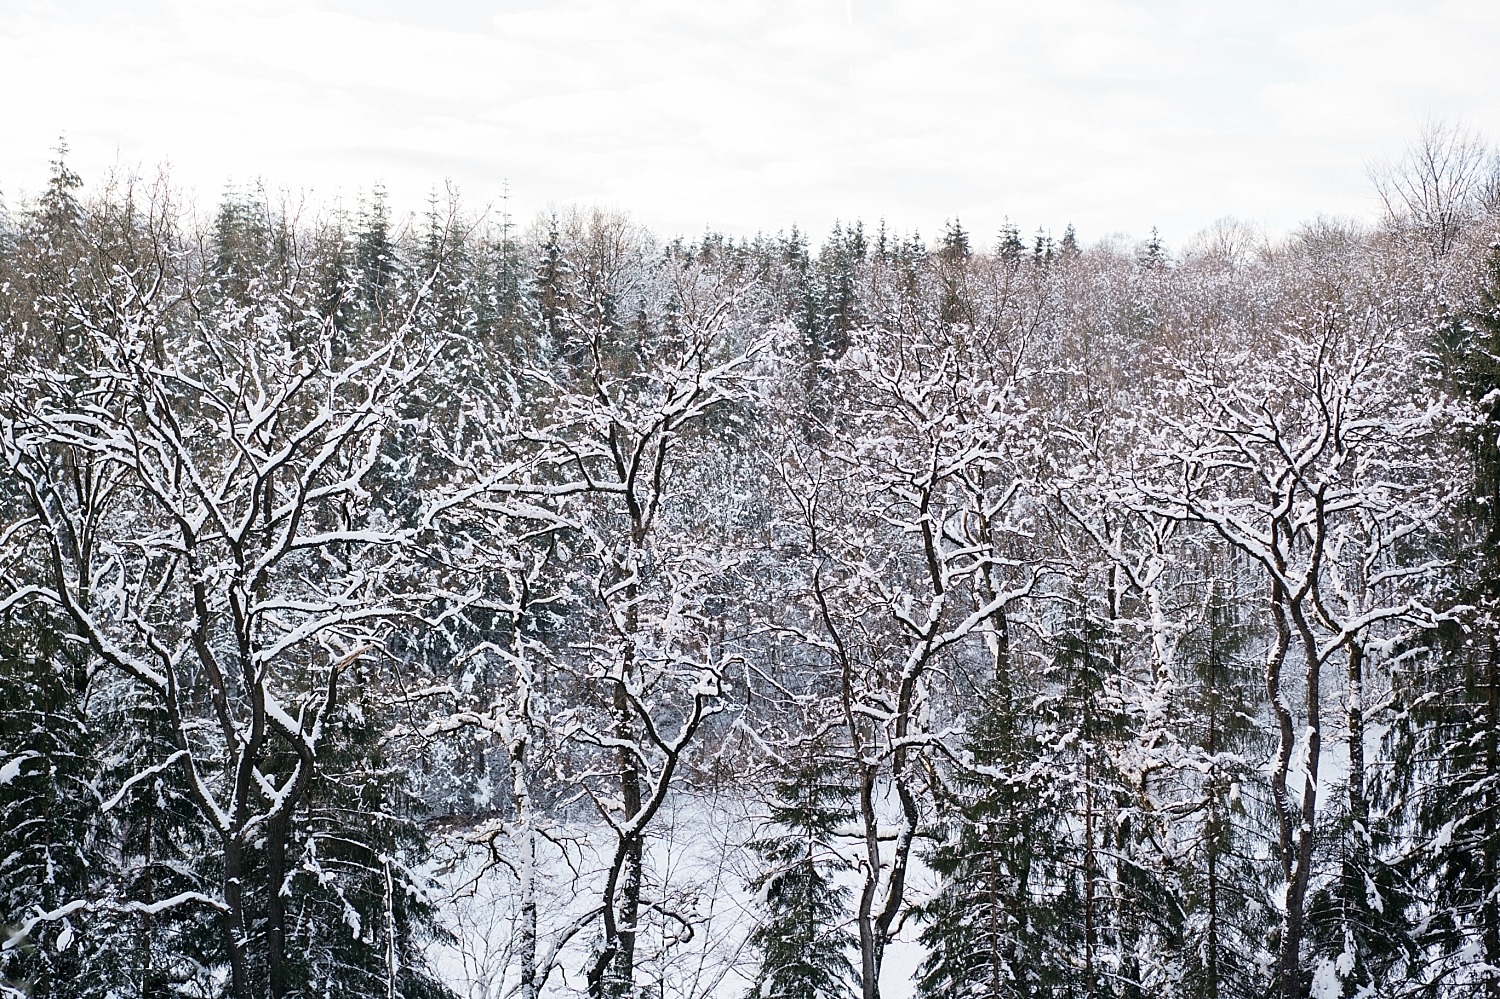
x=1490, y=907
x=895, y=885
x=871, y=947
x=1090, y=931
x=1211, y=845
x=1296, y=902
x=525, y=846
x=993, y=899
x=278, y=973
x=523, y=832
x=613, y=974
x=233, y=919
x=1288, y=958
x=1359, y=806
x=148, y=893
x=622, y=972
x=623, y=984
x=527, y=945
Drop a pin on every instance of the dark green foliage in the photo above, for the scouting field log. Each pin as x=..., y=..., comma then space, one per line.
x=358, y=916
x=1152, y=255
x=1105, y=832
x=1067, y=247
x=1444, y=742
x=1010, y=246
x=163, y=853
x=1042, y=248
x=375, y=258
x=1223, y=886
x=1086, y=722
x=1363, y=918
x=1041, y=893
x=59, y=204
x=805, y=939
x=1442, y=780
x=48, y=814
x=1004, y=921
x=551, y=296
x=838, y=307
x=955, y=303
x=954, y=246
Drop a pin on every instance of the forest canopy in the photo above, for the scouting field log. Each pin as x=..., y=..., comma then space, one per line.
x=438, y=607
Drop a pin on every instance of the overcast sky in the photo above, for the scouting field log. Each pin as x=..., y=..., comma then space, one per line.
x=746, y=115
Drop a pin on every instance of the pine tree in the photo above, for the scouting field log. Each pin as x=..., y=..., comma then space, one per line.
x=375, y=258
x=552, y=297
x=1068, y=247
x=838, y=309
x=955, y=303
x=1152, y=255
x=59, y=203
x=1042, y=249
x=804, y=939
x=955, y=242
x=1010, y=247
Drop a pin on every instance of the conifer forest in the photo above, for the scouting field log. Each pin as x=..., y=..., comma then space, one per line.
x=444, y=607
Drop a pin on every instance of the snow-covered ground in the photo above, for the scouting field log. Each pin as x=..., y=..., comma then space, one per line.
x=692, y=946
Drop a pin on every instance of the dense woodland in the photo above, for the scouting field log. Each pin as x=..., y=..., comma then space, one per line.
x=444, y=607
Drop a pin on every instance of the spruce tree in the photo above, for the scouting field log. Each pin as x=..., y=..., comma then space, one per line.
x=1224, y=894
x=804, y=937
x=358, y=913
x=49, y=864
x=1004, y=915
x=1087, y=721
x=1010, y=247
x=375, y=256
x=161, y=851
x=1068, y=247
x=955, y=302
x=1445, y=741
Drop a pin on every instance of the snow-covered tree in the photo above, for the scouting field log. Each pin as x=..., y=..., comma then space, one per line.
x=804, y=936
x=194, y=488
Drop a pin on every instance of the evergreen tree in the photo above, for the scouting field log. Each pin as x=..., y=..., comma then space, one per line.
x=955, y=242
x=838, y=308
x=1042, y=248
x=358, y=914
x=1087, y=721
x=49, y=864
x=235, y=231
x=375, y=257
x=1003, y=921
x=59, y=209
x=804, y=939
x=1223, y=888
x=1152, y=255
x=1010, y=247
x=161, y=853
x=955, y=303
x=1068, y=247
x=48, y=317
x=551, y=296
x=1445, y=742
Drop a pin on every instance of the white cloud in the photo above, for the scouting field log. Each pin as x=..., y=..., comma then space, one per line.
x=751, y=114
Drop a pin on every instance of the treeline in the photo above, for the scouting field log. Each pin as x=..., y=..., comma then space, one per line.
x=1102, y=620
